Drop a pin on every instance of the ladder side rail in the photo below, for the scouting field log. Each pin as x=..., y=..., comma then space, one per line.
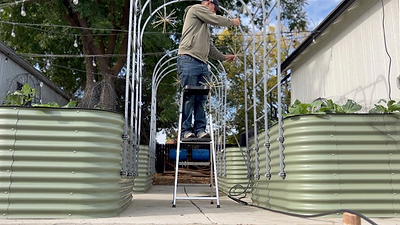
x=177, y=151
x=213, y=164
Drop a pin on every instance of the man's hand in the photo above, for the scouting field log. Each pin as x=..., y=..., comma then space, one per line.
x=230, y=58
x=236, y=21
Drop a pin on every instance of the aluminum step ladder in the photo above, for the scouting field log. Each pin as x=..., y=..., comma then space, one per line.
x=196, y=90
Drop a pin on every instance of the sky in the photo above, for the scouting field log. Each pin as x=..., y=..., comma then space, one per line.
x=317, y=10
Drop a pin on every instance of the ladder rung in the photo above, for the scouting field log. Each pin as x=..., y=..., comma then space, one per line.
x=195, y=185
x=199, y=198
x=194, y=143
x=196, y=90
x=194, y=163
x=190, y=140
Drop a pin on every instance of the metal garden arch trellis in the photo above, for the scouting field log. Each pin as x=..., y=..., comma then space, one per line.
x=133, y=90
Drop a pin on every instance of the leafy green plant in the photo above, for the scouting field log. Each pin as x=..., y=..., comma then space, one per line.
x=49, y=104
x=350, y=107
x=330, y=107
x=322, y=107
x=391, y=107
x=25, y=96
x=71, y=104
x=21, y=97
x=299, y=108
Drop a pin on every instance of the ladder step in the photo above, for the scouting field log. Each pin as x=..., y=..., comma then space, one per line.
x=198, y=198
x=194, y=163
x=194, y=185
x=196, y=140
x=196, y=90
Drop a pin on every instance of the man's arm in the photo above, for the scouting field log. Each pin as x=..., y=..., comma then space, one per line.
x=209, y=17
x=215, y=54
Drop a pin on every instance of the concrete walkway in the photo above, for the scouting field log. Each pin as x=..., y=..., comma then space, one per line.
x=155, y=208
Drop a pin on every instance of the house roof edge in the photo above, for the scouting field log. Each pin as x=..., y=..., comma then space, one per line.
x=28, y=67
x=339, y=10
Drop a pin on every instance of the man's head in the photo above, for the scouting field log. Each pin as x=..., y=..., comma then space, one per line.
x=213, y=6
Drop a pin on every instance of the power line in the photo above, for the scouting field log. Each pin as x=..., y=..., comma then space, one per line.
x=61, y=26
x=63, y=33
x=82, y=55
x=69, y=56
x=73, y=69
x=117, y=30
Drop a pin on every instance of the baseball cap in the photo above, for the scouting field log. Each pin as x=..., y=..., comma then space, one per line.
x=215, y=2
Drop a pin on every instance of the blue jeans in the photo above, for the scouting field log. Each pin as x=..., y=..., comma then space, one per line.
x=193, y=72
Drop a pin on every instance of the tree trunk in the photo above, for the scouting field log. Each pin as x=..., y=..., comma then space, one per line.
x=90, y=73
x=107, y=99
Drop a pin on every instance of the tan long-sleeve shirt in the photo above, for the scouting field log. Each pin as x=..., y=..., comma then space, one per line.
x=196, y=40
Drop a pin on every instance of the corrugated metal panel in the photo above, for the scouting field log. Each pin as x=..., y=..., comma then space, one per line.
x=143, y=181
x=64, y=163
x=8, y=120
x=236, y=171
x=125, y=193
x=334, y=162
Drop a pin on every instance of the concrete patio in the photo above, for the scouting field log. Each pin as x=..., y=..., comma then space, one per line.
x=155, y=207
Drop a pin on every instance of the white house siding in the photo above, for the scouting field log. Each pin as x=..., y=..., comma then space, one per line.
x=9, y=69
x=349, y=60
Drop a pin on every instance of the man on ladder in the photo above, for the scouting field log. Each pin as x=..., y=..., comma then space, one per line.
x=195, y=48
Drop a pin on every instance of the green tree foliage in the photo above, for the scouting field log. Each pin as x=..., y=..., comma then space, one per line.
x=79, y=45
